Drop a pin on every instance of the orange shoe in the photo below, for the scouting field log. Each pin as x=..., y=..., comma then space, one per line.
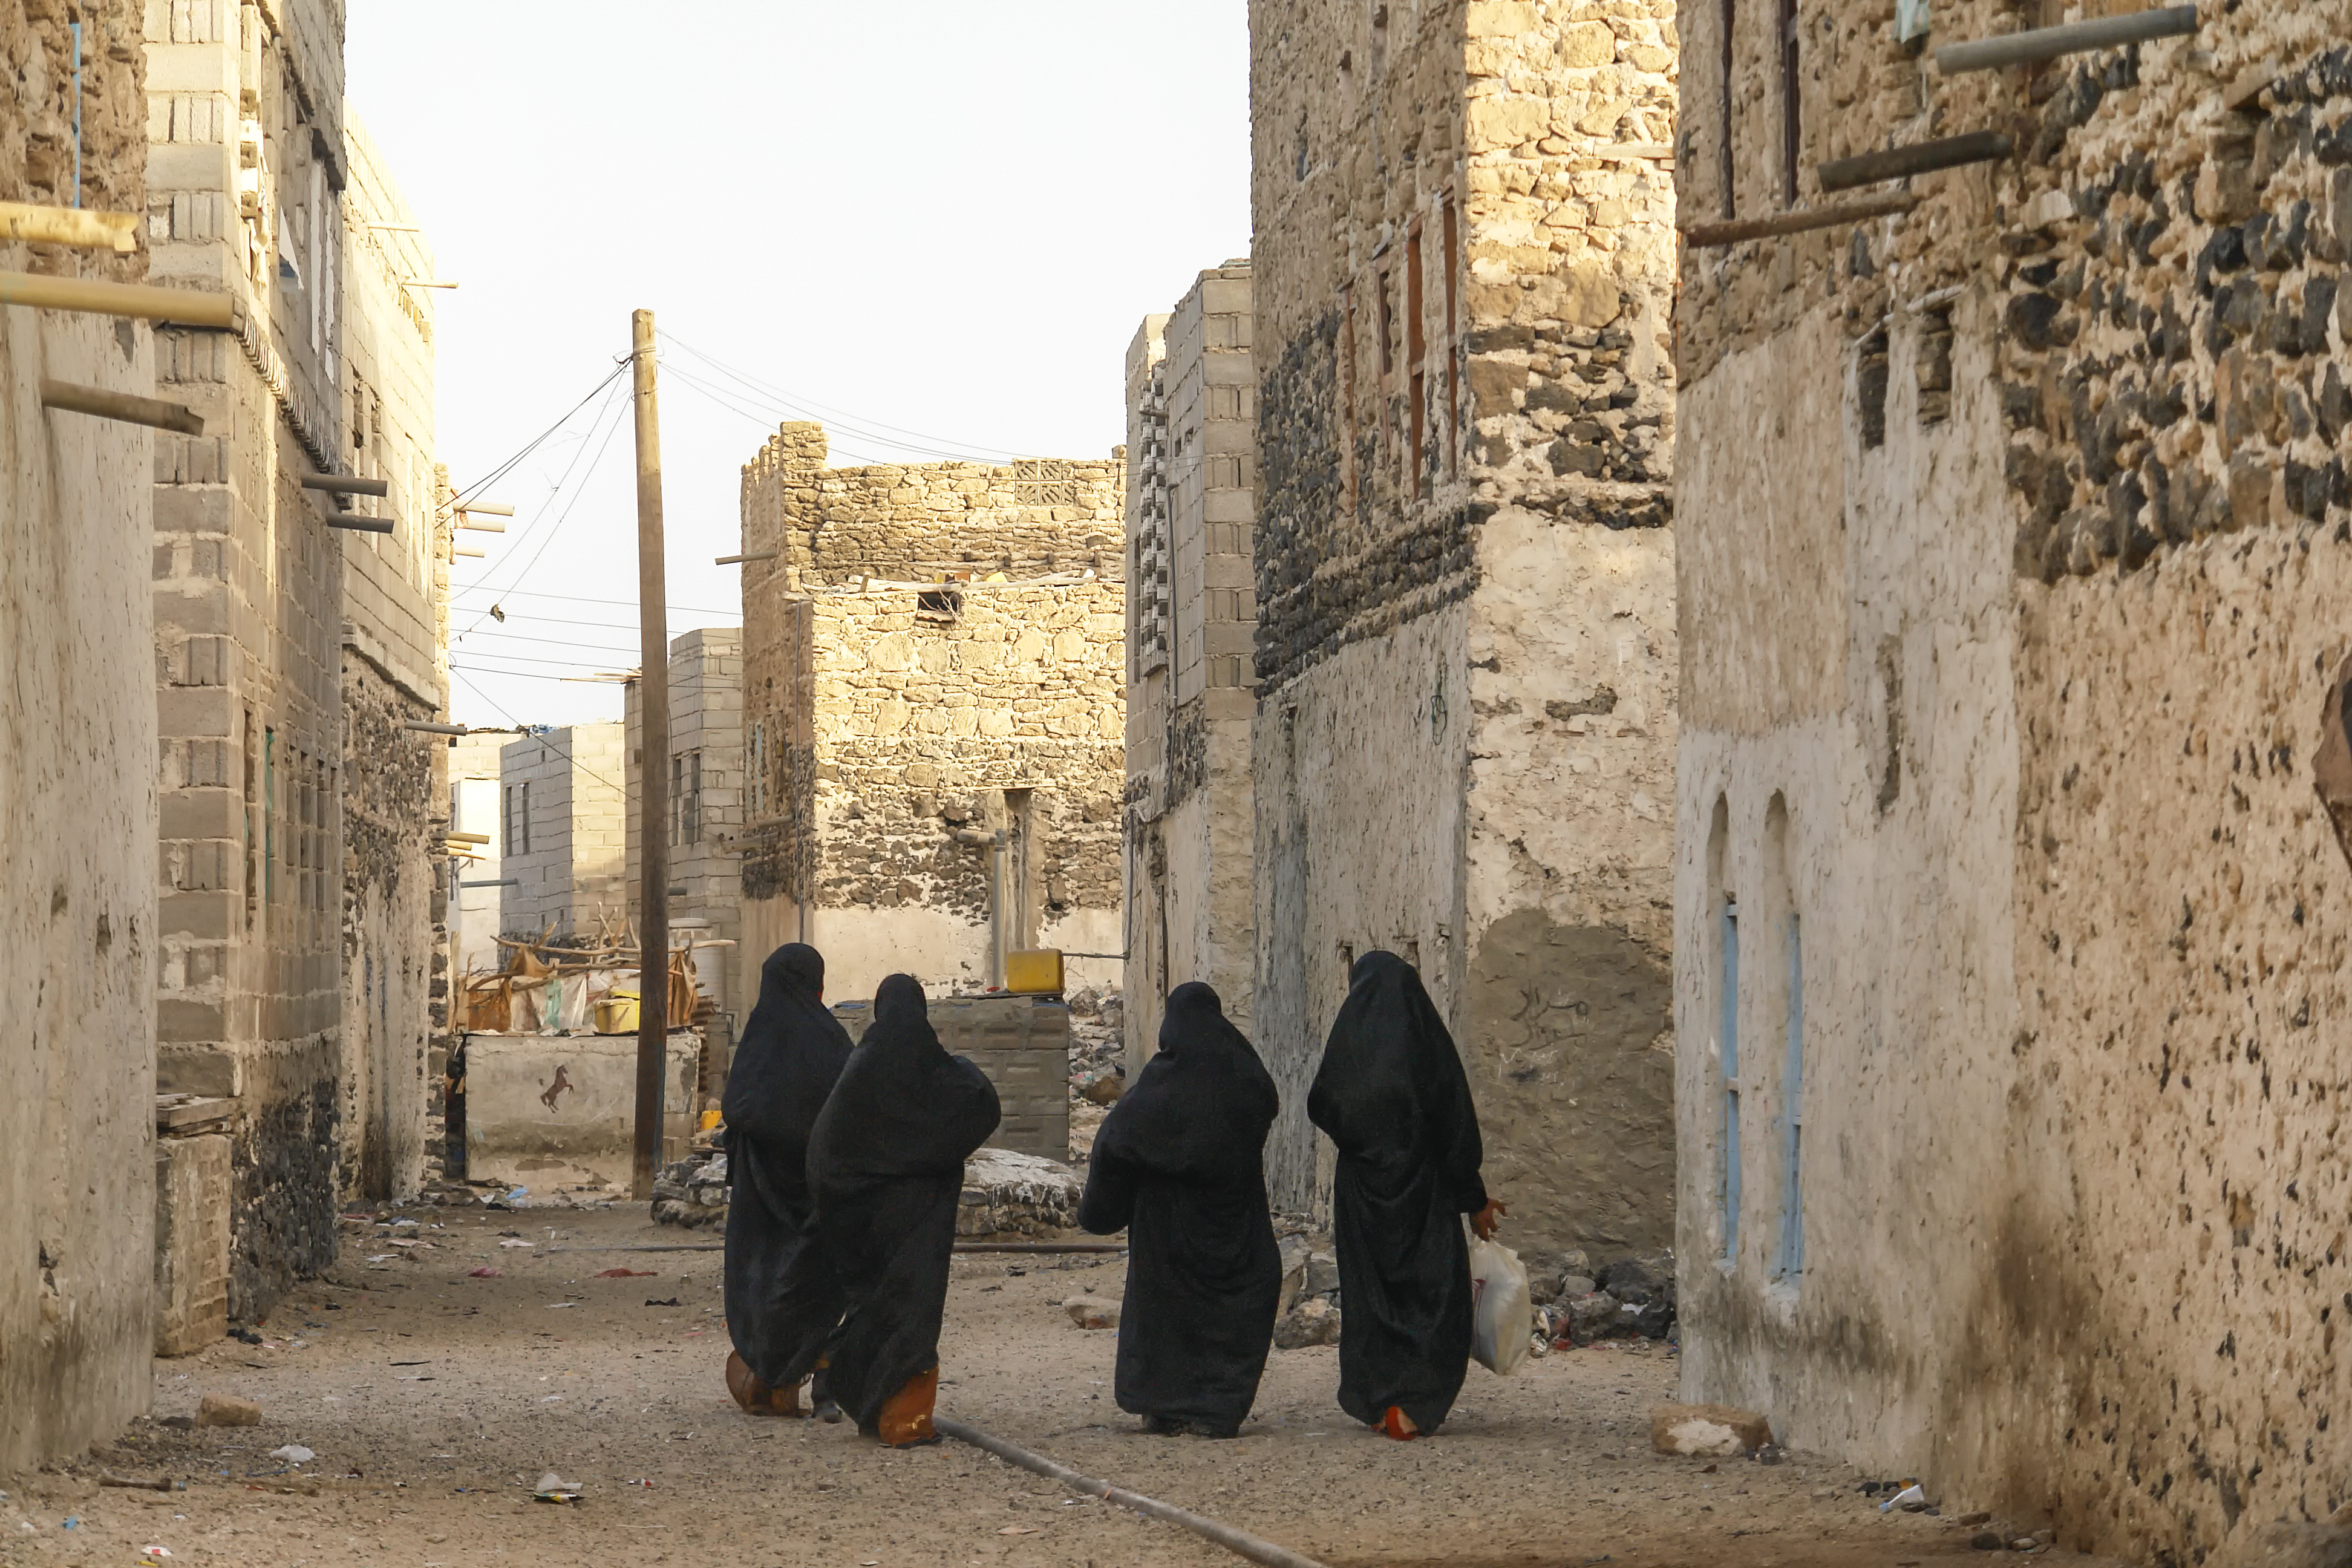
x=756, y=1397
x=906, y=1419
x=1396, y=1424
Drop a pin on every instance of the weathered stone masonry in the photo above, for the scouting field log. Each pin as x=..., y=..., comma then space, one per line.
x=2059, y=538
x=1463, y=278
x=890, y=726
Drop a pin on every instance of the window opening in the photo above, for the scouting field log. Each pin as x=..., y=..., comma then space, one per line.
x=938, y=603
x=1791, y=122
x=1731, y=1053
x=1452, y=260
x=1730, y=18
x=1792, y=1117
x=685, y=797
x=1416, y=361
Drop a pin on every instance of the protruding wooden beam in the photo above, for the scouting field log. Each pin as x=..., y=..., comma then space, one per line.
x=1705, y=236
x=96, y=401
x=1919, y=158
x=485, y=508
x=2074, y=39
x=139, y=301
x=468, y=521
x=430, y=727
x=473, y=549
x=70, y=226
x=345, y=485
x=750, y=555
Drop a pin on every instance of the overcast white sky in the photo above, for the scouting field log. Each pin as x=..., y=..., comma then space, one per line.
x=937, y=215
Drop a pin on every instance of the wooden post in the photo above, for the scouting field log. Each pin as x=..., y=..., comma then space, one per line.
x=121, y=406
x=653, y=770
x=1919, y=158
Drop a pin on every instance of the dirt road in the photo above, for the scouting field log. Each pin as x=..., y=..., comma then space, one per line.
x=434, y=1400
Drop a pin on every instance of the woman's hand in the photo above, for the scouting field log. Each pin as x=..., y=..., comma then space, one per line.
x=1485, y=1221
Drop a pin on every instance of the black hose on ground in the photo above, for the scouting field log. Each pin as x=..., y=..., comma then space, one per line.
x=1239, y=1542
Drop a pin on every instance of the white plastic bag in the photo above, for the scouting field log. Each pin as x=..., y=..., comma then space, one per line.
x=1502, y=1317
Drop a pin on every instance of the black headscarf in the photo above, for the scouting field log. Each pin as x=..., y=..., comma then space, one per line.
x=781, y=1298
x=1179, y=1164
x=885, y=1163
x=1392, y=1096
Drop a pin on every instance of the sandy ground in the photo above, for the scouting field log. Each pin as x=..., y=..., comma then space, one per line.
x=435, y=1400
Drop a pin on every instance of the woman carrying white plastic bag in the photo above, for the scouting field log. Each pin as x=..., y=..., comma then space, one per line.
x=1502, y=1319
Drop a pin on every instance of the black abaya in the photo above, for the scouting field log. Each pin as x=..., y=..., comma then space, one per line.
x=886, y=1166
x=1392, y=1095
x=782, y=1296
x=1179, y=1164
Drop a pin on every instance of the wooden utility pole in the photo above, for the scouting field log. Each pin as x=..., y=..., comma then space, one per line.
x=652, y=771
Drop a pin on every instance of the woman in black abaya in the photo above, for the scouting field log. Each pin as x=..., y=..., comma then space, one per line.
x=781, y=1297
x=886, y=1165
x=1179, y=1164
x=1392, y=1095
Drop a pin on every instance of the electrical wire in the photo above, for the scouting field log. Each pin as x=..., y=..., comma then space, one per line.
x=509, y=466
x=570, y=507
x=939, y=446
x=500, y=709
x=703, y=389
x=577, y=599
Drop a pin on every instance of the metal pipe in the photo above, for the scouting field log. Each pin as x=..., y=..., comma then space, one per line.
x=139, y=301
x=70, y=226
x=749, y=555
x=1241, y=1543
x=1705, y=236
x=507, y=882
x=345, y=485
x=432, y=727
x=1919, y=158
x=96, y=401
x=352, y=522
x=2072, y=38
x=465, y=520
x=484, y=508
x=468, y=550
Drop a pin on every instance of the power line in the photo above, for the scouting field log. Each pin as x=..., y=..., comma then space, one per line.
x=509, y=466
x=703, y=389
x=577, y=599
x=793, y=403
x=543, y=739
x=569, y=507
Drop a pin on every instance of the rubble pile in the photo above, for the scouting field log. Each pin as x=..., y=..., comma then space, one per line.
x=692, y=1192
x=1633, y=1298
x=1309, y=1313
x=1004, y=1194
x=1097, y=1046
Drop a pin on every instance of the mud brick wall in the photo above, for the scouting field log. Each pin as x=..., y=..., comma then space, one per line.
x=2026, y=736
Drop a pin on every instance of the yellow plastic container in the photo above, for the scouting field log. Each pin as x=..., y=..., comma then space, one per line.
x=1033, y=974
x=617, y=1014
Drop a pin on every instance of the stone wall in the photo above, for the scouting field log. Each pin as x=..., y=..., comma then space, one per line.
x=1463, y=282
x=1190, y=614
x=894, y=723
x=2023, y=735
x=568, y=863
x=78, y=922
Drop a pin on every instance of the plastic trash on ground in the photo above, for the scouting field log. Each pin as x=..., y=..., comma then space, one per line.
x=293, y=1454
x=553, y=1488
x=1912, y=1497
x=1502, y=1317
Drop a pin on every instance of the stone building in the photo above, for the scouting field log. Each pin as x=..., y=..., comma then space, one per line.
x=706, y=807
x=79, y=939
x=477, y=800
x=2012, y=890
x=932, y=712
x=561, y=839
x=1463, y=274
x=395, y=636
x=1192, y=594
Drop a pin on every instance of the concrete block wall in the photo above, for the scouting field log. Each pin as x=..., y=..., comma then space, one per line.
x=571, y=877
x=1189, y=831
x=705, y=719
x=1022, y=1044
x=194, y=1179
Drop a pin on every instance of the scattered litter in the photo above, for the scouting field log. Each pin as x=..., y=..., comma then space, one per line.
x=517, y=1195
x=72, y=1522
x=552, y=1488
x=516, y=1241
x=1912, y=1498
x=412, y=1363
x=671, y=1302
x=485, y=1274
x=155, y=1553
x=398, y=1223
x=372, y=1258
x=552, y=1399
x=293, y=1454
x=553, y=1305
x=626, y=1274
x=1018, y=1530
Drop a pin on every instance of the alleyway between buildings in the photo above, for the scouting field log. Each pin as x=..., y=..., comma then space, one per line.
x=435, y=1400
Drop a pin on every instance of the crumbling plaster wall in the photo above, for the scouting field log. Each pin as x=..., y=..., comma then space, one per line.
x=1486, y=484
x=78, y=803
x=2127, y=1323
